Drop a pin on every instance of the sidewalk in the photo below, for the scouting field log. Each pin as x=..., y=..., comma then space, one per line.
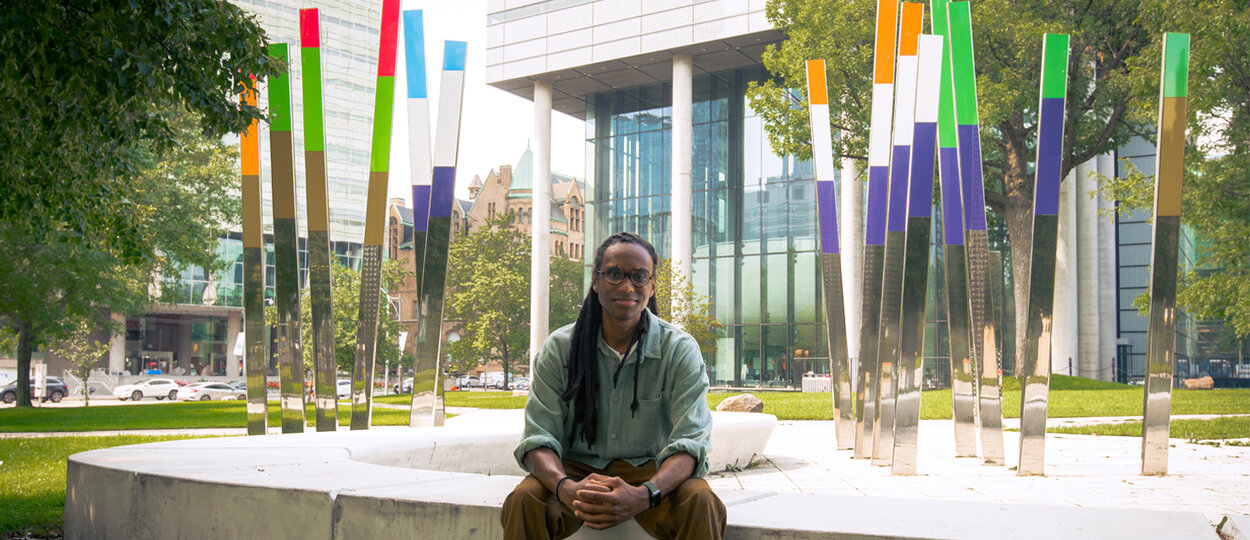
x=1081, y=470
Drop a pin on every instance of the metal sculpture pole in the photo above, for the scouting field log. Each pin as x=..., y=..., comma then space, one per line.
x=962, y=370
x=375, y=221
x=426, y=377
x=318, y=204
x=830, y=256
x=421, y=170
x=916, y=258
x=253, y=274
x=874, y=230
x=1161, y=334
x=1035, y=370
x=896, y=233
x=285, y=246
x=984, y=347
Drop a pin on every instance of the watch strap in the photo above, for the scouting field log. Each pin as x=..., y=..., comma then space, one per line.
x=653, y=493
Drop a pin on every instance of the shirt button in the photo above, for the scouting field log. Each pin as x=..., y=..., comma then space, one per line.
x=614, y=436
x=616, y=400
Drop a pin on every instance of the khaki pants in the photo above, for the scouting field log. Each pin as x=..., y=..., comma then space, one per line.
x=691, y=512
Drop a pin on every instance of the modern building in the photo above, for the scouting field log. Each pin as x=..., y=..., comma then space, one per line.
x=675, y=153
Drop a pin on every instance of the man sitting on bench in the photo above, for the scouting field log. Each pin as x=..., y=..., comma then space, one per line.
x=617, y=424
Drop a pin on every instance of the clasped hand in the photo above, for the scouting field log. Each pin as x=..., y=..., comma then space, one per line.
x=603, y=501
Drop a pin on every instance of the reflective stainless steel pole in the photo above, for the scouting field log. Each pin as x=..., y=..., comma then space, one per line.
x=916, y=259
x=874, y=230
x=375, y=222
x=318, y=198
x=286, y=248
x=1161, y=336
x=984, y=346
x=830, y=257
x=427, y=387
x=256, y=361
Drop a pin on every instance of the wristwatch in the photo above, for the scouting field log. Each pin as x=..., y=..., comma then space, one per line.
x=653, y=493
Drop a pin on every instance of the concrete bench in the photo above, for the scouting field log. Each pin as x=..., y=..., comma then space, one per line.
x=448, y=483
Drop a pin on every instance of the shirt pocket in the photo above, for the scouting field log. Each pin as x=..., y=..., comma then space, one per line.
x=650, y=426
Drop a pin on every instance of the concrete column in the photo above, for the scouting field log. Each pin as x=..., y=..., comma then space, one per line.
x=1087, y=270
x=184, y=345
x=1108, y=304
x=234, y=325
x=683, y=129
x=1064, y=337
x=540, y=260
x=117, y=346
x=851, y=238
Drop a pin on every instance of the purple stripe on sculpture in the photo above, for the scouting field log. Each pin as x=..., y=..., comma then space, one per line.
x=442, y=194
x=898, y=189
x=874, y=230
x=1049, y=155
x=952, y=207
x=920, y=188
x=420, y=208
x=972, y=185
x=827, y=206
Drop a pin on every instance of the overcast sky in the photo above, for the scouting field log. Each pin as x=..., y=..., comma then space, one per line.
x=494, y=125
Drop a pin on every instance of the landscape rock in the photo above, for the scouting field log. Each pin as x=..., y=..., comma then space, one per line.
x=1201, y=383
x=742, y=403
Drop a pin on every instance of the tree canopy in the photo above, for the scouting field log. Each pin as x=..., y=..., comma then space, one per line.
x=681, y=305
x=1216, y=192
x=101, y=99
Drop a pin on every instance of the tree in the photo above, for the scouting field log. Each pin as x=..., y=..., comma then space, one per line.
x=567, y=292
x=180, y=198
x=1106, y=103
x=82, y=352
x=85, y=83
x=1216, y=194
x=489, y=273
x=92, y=92
x=345, y=284
x=681, y=305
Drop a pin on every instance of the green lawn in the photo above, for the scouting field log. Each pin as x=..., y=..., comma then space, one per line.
x=188, y=415
x=1232, y=427
x=32, y=494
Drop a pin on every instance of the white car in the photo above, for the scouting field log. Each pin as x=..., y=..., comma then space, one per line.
x=344, y=389
x=208, y=391
x=157, y=388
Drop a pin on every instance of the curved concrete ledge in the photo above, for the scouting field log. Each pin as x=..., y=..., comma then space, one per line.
x=438, y=482
x=449, y=483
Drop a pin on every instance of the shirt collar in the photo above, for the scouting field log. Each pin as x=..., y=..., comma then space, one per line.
x=649, y=342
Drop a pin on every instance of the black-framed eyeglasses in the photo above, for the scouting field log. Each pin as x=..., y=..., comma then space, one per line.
x=614, y=276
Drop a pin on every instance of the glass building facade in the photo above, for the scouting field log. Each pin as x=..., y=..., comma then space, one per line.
x=754, y=239
x=753, y=225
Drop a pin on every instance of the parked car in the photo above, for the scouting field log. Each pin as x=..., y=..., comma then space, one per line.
x=54, y=389
x=404, y=387
x=470, y=382
x=240, y=384
x=344, y=388
x=206, y=391
x=519, y=383
x=157, y=388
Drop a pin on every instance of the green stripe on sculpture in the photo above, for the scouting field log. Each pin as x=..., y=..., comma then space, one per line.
x=1055, y=82
x=960, y=25
x=1176, y=65
x=280, y=102
x=380, y=153
x=314, y=126
x=946, y=102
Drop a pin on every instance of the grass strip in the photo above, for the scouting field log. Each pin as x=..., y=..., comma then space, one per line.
x=32, y=494
x=184, y=415
x=1228, y=427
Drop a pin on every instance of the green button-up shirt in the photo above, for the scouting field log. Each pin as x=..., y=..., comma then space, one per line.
x=672, y=415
